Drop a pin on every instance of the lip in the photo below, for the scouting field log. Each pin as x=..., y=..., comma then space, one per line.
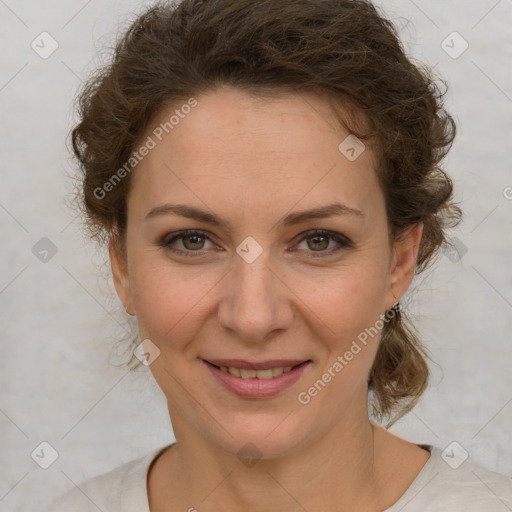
x=262, y=365
x=257, y=388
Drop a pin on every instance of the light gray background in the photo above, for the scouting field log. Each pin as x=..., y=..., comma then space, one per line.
x=59, y=320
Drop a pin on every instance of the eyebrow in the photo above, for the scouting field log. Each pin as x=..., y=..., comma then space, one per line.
x=191, y=212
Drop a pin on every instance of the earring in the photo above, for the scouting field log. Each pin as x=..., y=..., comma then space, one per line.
x=395, y=308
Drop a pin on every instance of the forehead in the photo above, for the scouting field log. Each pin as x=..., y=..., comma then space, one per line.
x=234, y=147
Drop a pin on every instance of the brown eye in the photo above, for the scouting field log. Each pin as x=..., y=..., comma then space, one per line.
x=318, y=241
x=191, y=241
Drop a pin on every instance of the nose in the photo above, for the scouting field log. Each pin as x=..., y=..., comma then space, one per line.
x=257, y=302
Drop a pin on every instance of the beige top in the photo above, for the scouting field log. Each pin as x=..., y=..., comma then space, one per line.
x=441, y=486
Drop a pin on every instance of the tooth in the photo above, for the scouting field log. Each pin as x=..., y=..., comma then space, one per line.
x=264, y=374
x=269, y=373
x=247, y=374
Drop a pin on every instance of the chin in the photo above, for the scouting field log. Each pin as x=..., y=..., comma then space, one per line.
x=263, y=438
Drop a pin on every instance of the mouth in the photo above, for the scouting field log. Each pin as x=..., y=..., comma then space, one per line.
x=264, y=370
x=256, y=380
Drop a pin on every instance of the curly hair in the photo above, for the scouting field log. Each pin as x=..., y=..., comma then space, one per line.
x=342, y=50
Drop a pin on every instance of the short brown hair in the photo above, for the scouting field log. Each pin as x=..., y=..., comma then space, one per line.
x=341, y=49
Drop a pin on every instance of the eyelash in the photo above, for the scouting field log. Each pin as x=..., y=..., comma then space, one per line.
x=166, y=242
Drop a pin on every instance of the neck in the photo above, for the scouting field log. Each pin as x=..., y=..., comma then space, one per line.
x=335, y=471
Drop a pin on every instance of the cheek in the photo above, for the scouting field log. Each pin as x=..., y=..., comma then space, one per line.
x=168, y=301
x=349, y=324
x=346, y=300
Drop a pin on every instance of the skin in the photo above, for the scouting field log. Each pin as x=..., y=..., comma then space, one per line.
x=252, y=161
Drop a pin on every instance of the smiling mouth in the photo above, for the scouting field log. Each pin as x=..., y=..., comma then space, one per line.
x=262, y=374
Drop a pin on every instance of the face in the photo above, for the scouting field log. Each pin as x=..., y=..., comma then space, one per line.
x=252, y=281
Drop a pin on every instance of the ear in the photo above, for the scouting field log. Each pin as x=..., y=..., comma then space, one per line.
x=119, y=267
x=404, y=261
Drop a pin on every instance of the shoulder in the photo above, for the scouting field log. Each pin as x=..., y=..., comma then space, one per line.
x=121, y=489
x=448, y=483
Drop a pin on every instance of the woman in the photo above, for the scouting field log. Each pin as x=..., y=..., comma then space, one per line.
x=266, y=175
